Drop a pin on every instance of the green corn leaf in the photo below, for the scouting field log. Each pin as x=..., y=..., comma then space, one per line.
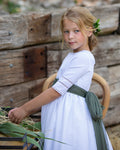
x=37, y=125
x=14, y=130
x=56, y=140
x=33, y=127
x=19, y=129
x=2, y=113
x=29, y=139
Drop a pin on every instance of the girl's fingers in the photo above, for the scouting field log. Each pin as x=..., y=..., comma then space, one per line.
x=16, y=115
x=16, y=121
x=10, y=113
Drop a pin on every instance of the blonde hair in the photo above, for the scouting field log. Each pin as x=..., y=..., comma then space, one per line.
x=84, y=20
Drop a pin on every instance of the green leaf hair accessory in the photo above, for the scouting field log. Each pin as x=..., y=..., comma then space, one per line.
x=96, y=27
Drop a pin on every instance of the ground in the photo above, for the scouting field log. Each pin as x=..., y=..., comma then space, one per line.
x=114, y=134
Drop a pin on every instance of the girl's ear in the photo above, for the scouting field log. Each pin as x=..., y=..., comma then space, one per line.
x=89, y=31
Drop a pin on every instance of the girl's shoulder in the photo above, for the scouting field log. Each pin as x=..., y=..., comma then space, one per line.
x=84, y=55
x=82, y=52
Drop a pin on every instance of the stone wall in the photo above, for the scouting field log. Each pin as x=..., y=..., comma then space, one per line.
x=37, y=5
x=30, y=51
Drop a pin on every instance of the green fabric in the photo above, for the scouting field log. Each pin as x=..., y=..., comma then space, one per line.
x=95, y=110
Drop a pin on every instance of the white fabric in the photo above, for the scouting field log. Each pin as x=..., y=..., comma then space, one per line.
x=67, y=118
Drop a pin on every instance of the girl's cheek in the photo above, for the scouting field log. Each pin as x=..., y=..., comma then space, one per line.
x=65, y=37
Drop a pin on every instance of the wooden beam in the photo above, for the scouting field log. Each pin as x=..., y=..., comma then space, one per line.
x=16, y=95
x=17, y=31
x=109, y=17
x=22, y=65
x=113, y=114
x=107, y=52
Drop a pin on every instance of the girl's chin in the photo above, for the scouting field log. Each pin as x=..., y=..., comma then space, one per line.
x=73, y=47
x=76, y=50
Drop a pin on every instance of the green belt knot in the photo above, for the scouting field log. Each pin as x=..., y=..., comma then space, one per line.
x=94, y=106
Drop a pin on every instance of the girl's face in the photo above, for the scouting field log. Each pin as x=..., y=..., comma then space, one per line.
x=74, y=37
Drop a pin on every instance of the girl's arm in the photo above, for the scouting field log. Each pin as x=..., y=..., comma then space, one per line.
x=18, y=114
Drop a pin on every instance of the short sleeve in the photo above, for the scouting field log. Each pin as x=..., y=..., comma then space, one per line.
x=77, y=68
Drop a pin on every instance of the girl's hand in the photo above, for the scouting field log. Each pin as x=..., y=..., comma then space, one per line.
x=16, y=115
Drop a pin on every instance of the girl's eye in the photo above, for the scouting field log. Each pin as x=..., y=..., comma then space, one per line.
x=76, y=31
x=66, y=31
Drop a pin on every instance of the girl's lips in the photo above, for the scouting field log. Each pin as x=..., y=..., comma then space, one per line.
x=71, y=43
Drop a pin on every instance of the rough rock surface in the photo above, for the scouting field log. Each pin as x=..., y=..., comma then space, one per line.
x=114, y=135
x=36, y=5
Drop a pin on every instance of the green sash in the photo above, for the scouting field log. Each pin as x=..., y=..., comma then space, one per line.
x=95, y=109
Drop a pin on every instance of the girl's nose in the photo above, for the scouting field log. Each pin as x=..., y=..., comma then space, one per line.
x=70, y=35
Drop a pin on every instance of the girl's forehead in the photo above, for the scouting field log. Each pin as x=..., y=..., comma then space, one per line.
x=69, y=24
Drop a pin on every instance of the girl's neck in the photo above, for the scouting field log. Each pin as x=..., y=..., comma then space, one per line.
x=78, y=50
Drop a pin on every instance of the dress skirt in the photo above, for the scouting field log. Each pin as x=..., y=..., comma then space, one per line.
x=67, y=120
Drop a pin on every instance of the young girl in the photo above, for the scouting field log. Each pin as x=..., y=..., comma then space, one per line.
x=65, y=112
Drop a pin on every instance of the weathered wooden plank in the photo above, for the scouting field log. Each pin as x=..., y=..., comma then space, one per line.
x=13, y=31
x=109, y=17
x=17, y=31
x=114, y=74
x=39, y=28
x=52, y=68
x=22, y=65
x=36, y=89
x=115, y=88
x=95, y=87
x=114, y=79
x=17, y=95
x=107, y=52
x=113, y=114
x=35, y=63
x=55, y=28
x=55, y=46
x=53, y=56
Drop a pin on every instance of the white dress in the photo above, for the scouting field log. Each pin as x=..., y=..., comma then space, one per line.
x=67, y=119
